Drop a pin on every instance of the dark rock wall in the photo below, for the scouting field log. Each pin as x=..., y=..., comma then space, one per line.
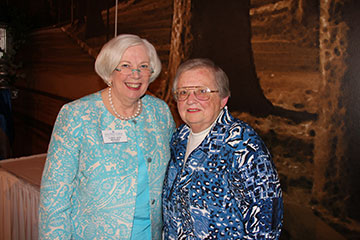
x=351, y=86
x=306, y=53
x=287, y=66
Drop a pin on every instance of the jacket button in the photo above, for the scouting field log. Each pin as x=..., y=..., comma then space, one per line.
x=149, y=160
x=153, y=202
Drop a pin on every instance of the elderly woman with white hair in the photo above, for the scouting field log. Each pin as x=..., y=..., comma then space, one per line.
x=221, y=181
x=108, y=153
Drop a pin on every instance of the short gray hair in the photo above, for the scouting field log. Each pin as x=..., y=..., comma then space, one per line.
x=221, y=79
x=111, y=53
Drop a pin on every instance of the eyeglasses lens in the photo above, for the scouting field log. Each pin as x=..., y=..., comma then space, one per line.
x=142, y=70
x=200, y=93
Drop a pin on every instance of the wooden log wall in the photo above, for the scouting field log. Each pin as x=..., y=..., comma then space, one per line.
x=56, y=71
x=50, y=83
x=151, y=20
x=290, y=64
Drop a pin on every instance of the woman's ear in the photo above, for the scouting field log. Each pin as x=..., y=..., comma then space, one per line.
x=224, y=101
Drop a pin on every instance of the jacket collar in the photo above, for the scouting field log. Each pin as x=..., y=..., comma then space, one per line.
x=223, y=121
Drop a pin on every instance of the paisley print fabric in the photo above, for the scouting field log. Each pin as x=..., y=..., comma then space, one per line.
x=88, y=188
x=228, y=188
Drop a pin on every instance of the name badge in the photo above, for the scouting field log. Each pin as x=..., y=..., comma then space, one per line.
x=114, y=136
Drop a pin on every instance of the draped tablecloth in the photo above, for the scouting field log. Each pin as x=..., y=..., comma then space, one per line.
x=19, y=197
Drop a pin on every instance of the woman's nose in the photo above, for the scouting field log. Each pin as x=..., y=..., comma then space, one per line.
x=135, y=73
x=191, y=98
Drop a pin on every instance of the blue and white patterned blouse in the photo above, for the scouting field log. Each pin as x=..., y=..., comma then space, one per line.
x=88, y=187
x=228, y=188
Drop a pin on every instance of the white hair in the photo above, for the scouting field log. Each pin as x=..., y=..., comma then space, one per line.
x=112, y=52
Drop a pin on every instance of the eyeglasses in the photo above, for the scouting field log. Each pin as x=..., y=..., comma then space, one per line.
x=201, y=93
x=143, y=70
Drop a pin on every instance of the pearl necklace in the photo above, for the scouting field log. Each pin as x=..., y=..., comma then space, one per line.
x=137, y=113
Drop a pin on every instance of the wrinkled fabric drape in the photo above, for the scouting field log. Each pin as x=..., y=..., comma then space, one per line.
x=19, y=203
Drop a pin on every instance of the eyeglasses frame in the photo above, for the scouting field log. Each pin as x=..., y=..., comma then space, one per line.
x=208, y=90
x=134, y=70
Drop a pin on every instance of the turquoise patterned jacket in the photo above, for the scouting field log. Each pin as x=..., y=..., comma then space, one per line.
x=88, y=187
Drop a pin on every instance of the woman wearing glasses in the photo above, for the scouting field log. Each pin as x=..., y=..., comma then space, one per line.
x=221, y=182
x=108, y=153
